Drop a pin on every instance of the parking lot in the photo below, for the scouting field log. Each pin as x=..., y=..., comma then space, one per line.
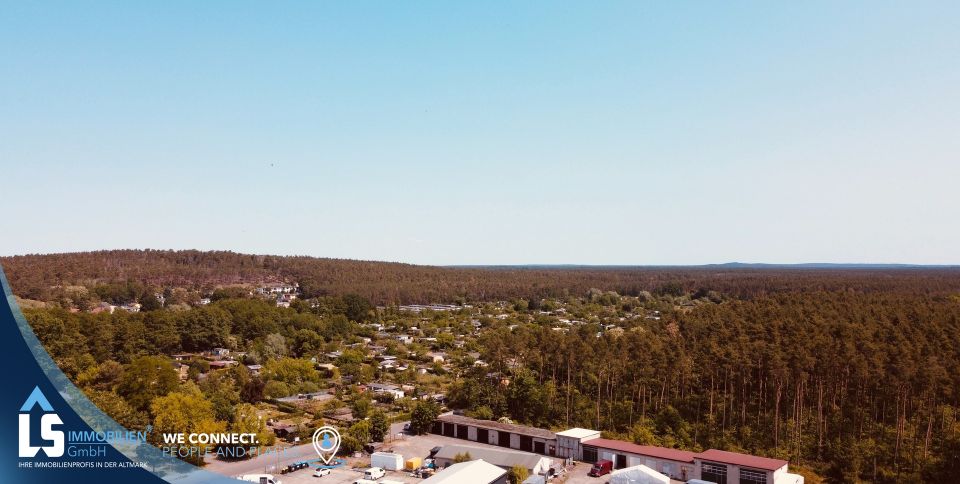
x=406, y=445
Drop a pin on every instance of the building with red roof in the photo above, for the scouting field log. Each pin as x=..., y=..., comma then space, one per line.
x=586, y=445
x=725, y=467
x=674, y=463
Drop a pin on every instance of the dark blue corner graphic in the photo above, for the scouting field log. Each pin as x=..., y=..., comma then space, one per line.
x=51, y=407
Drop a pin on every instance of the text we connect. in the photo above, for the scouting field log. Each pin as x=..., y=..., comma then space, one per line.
x=217, y=438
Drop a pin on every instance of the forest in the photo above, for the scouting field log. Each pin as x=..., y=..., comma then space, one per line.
x=858, y=386
x=851, y=373
x=44, y=277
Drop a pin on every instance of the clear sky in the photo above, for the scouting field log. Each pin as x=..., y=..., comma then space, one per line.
x=485, y=132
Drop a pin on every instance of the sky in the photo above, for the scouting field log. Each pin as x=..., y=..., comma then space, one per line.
x=485, y=132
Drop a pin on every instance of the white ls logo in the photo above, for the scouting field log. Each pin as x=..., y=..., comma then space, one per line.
x=47, y=421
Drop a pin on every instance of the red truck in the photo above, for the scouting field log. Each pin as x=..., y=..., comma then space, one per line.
x=601, y=468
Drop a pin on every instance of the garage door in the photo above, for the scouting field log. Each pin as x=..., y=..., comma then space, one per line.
x=589, y=454
x=526, y=443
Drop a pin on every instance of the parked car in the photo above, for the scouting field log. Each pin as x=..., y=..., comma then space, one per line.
x=374, y=473
x=296, y=466
x=601, y=468
x=321, y=471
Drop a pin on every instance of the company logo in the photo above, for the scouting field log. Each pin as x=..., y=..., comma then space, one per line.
x=47, y=421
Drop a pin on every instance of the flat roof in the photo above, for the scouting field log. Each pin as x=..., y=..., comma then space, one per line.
x=645, y=450
x=499, y=426
x=744, y=460
x=496, y=456
x=578, y=433
x=471, y=472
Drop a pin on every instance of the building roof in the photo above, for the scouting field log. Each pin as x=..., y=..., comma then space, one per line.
x=498, y=457
x=472, y=472
x=638, y=474
x=645, y=450
x=499, y=426
x=578, y=433
x=743, y=460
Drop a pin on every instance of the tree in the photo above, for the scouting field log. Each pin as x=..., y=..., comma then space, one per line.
x=162, y=333
x=349, y=444
x=146, y=378
x=149, y=302
x=360, y=431
x=358, y=308
x=462, y=457
x=361, y=407
x=422, y=417
x=204, y=328
x=482, y=412
x=222, y=391
x=246, y=420
x=274, y=346
x=300, y=375
x=184, y=411
x=118, y=409
x=379, y=426
x=518, y=474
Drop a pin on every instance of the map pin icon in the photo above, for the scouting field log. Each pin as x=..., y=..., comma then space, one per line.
x=326, y=441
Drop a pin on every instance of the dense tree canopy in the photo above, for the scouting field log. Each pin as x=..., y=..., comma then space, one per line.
x=868, y=382
x=126, y=275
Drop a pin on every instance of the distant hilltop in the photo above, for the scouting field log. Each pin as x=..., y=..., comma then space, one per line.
x=35, y=276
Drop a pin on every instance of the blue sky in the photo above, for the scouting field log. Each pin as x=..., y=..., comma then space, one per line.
x=485, y=132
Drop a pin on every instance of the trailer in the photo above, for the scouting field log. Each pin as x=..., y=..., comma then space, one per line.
x=387, y=460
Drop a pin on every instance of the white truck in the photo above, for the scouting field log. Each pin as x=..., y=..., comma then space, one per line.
x=260, y=478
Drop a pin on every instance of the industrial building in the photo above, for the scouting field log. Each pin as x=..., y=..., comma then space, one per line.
x=512, y=436
x=569, y=442
x=713, y=465
x=587, y=445
x=677, y=464
x=725, y=467
x=505, y=459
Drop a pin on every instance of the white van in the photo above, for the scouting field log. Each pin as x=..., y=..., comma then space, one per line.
x=374, y=473
x=260, y=478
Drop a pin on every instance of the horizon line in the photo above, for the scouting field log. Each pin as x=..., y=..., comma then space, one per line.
x=571, y=265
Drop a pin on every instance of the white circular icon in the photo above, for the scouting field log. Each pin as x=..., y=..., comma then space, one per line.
x=326, y=441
